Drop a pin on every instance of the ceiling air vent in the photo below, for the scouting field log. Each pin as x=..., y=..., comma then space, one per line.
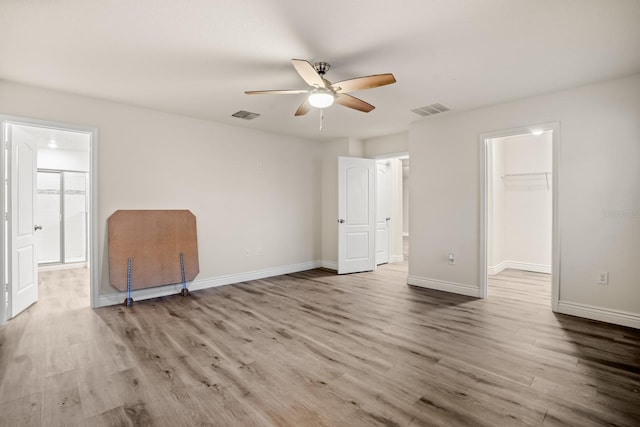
x=430, y=110
x=245, y=115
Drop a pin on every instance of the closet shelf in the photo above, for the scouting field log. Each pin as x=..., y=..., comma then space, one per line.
x=532, y=174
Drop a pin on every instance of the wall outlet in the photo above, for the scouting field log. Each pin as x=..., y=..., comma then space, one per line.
x=451, y=258
x=603, y=278
x=247, y=252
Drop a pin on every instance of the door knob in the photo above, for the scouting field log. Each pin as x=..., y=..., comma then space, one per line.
x=388, y=218
x=37, y=227
x=341, y=221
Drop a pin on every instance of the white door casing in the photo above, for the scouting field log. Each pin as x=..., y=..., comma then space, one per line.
x=22, y=257
x=3, y=191
x=383, y=211
x=356, y=214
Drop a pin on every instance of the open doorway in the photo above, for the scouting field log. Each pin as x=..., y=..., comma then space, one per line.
x=393, y=207
x=370, y=213
x=519, y=252
x=50, y=213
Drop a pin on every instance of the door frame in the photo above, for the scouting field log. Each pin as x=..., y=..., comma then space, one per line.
x=554, y=127
x=397, y=156
x=93, y=256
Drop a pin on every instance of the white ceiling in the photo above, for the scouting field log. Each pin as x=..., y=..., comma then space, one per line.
x=197, y=57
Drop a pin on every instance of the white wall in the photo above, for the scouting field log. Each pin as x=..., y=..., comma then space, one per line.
x=386, y=144
x=248, y=189
x=520, y=207
x=599, y=195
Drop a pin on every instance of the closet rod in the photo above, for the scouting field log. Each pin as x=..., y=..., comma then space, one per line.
x=525, y=174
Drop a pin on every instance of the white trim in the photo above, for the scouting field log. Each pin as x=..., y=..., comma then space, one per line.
x=484, y=204
x=441, y=285
x=396, y=258
x=601, y=314
x=537, y=268
x=56, y=267
x=94, y=246
x=496, y=269
x=3, y=266
x=387, y=156
x=199, y=284
x=330, y=265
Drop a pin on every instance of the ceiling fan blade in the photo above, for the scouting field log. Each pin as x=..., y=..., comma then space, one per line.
x=353, y=102
x=361, y=83
x=276, y=92
x=308, y=73
x=303, y=108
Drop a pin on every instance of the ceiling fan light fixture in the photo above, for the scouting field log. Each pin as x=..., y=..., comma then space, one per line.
x=321, y=98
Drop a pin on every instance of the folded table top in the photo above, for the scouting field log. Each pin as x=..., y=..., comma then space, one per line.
x=154, y=240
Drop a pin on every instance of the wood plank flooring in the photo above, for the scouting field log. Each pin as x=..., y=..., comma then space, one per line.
x=317, y=349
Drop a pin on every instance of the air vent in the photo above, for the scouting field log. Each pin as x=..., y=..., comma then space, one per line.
x=430, y=110
x=245, y=115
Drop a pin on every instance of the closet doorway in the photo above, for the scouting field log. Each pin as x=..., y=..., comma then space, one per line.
x=519, y=252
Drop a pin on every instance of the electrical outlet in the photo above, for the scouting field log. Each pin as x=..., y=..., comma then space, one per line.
x=603, y=278
x=247, y=252
x=451, y=258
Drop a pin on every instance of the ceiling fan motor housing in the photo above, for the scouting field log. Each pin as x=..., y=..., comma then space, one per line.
x=321, y=67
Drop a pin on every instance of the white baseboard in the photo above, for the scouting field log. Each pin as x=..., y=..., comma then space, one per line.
x=537, y=268
x=602, y=314
x=498, y=268
x=198, y=284
x=330, y=265
x=440, y=285
x=56, y=267
x=396, y=258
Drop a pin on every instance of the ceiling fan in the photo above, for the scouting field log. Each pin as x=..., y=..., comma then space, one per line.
x=323, y=93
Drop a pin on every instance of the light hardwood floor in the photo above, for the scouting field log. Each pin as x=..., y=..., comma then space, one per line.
x=317, y=349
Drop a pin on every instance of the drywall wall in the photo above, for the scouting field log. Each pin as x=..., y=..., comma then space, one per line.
x=256, y=195
x=520, y=206
x=387, y=144
x=598, y=200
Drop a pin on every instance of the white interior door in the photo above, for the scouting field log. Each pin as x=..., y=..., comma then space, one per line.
x=383, y=211
x=22, y=258
x=356, y=215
